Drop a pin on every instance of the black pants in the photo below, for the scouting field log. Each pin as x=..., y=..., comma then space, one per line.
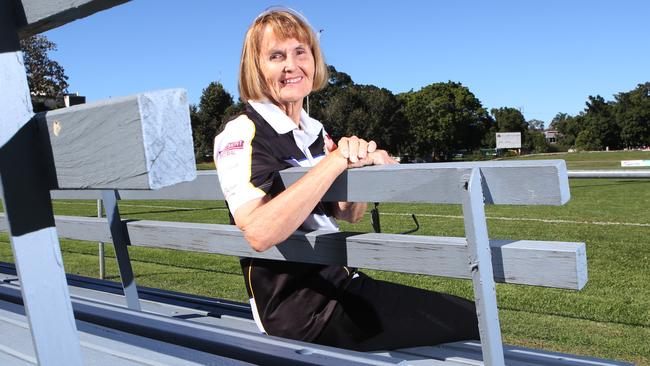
x=378, y=315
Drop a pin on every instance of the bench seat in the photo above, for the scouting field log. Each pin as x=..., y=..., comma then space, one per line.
x=222, y=339
x=223, y=314
x=100, y=346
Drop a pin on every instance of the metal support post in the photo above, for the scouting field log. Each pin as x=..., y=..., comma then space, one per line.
x=480, y=262
x=26, y=182
x=102, y=258
x=120, y=242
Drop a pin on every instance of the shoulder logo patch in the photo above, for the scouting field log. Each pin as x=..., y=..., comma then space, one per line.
x=231, y=148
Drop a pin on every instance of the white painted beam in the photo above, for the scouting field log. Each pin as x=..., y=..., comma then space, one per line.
x=142, y=141
x=37, y=16
x=538, y=263
x=542, y=182
x=480, y=265
x=519, y=182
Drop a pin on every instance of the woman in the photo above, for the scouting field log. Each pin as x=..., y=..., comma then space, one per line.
x=281, y=64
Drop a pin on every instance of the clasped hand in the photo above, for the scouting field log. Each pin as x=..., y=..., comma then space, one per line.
x=360, y=152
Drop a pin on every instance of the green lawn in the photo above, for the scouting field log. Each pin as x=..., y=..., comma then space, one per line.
x=205, y=166
x=594, y=159
x=609, y=318
x=575, y=161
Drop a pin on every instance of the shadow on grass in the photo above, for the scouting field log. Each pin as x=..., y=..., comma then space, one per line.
x=572, y=316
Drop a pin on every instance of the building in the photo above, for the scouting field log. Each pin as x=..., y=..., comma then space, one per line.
x=551, y=136
x=47, y=103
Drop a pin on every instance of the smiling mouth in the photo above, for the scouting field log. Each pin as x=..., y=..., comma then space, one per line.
x=291, y=80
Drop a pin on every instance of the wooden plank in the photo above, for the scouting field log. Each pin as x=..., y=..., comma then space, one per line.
x=480, y=263
x=137, y=142
x=163, y=302
x=560, y=264
x=37, y=16
x=552, y=264
x=205, y=188
x=539, y=263
x=540, y=182
x=535, y=182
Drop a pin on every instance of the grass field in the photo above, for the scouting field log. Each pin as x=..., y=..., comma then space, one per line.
x=609, y=318
x=594, y=159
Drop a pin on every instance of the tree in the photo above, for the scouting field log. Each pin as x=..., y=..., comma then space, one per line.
x=534, y=138
x=535, y=124
x=632, y=112
x=599, y=127
x=231, y=112
x=208, y=117
x=589, y=139
x=509, y=120
x=535, y=142
x=568, y=128
x=366, y=111
x=45, y=77
x=318, y=101
x=347, y=109
x=444, y=117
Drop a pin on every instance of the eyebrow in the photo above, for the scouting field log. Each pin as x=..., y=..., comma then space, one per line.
x=277, y=49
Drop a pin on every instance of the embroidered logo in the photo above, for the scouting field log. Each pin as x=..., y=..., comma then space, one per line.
x=231, y=148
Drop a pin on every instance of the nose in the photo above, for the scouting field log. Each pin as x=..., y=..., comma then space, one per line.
x=289, y=64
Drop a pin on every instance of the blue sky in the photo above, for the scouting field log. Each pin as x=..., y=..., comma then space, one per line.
x=542, y=57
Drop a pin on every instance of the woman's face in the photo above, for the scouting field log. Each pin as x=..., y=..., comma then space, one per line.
x=287, y=66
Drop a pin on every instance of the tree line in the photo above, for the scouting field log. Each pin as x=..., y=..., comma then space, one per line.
x=432, y=123
x=443, y=118
x=621, y=123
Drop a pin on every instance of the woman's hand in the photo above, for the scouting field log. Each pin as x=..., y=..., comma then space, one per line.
x=377, y=157
x=359, y=152
x=355, y=149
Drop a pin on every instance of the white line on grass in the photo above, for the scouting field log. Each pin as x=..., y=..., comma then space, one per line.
x=550, y=221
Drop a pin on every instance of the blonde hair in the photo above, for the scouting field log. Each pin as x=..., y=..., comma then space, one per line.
x=285, y=24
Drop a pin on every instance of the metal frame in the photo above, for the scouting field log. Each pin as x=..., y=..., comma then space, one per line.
x=120, y=242
x=28, y=206
x=480, y=262
x=100, y=245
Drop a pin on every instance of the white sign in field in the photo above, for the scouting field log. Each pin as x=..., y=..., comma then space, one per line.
x=508, y=140
x=632, y=163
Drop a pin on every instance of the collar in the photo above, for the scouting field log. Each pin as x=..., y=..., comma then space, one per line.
x=281, y=123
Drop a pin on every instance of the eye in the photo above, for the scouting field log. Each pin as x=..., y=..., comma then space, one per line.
x=300, y=51
x=276, y=56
